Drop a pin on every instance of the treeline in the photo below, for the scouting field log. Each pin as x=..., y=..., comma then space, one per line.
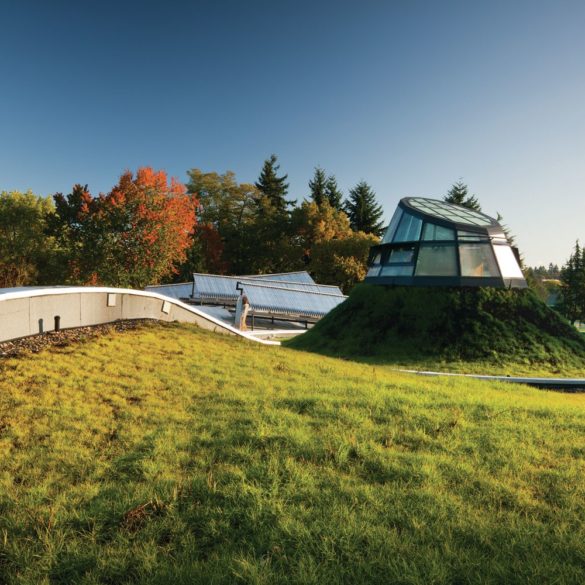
x=149, y=229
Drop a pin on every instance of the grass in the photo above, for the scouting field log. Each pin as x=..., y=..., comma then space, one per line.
x=482, y=330
x=172, y=455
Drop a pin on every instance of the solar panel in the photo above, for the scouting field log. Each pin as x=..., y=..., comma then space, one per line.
x=322, y=288
x=183, y=290
x=292, y=302
x=300, y=276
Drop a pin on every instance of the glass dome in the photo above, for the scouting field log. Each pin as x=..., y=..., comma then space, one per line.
x=430, y=242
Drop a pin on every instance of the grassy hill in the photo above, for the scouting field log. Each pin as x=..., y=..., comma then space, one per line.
x=172, y=455
x=475, y=330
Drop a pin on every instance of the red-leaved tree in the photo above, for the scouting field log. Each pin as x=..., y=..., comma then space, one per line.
x=133, y=236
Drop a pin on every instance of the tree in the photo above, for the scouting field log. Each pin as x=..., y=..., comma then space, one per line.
x=226, y=208
x=572, y=303
x=342, y=262
x=459, y=195
x=363, y=210
x=317, y=223
x=318, y=186
x=272, y=187
x=25, y=250
x=133, y=236
x=334, y=194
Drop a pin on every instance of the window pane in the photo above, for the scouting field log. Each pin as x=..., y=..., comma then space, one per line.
x=477, y=260
x=401, y=255
x=397, y=270
x=440, y=260
x=508, y=263
x=470, y=236
x=373, y=271
x=437, y=232
x=408, y=229
x=391, y=229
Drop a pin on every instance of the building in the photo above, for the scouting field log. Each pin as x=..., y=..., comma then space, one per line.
x=434, y=243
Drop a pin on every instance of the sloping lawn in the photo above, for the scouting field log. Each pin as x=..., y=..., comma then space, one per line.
x=172, y=455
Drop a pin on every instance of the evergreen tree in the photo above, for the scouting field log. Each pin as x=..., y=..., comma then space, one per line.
x=573, y=285
x=334, y=194
x=363, y=210
x=318, y=186
x=459, y=195
x=273, y=187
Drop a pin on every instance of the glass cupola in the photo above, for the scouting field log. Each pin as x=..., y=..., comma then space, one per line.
x=434, y=243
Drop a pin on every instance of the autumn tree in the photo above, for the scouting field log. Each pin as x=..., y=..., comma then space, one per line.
x=133, y=236
x=342, y=262
x=25, y=249
x=363, y=210
x=459, y=195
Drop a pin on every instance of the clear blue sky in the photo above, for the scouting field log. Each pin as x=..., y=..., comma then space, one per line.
x=408, y=95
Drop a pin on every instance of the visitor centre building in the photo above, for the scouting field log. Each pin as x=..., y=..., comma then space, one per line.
x=434, y=243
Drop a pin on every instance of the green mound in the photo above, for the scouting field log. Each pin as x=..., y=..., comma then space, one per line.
x=408, y=324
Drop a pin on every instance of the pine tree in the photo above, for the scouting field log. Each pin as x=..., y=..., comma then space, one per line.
x=334, y=194
x=573, y=283
x=273, y=187
x=318, y=186
x=363, y=210
x=459, y=195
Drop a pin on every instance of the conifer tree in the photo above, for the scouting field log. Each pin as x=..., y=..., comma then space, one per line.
x=459, y=195
x=333, y=193
x=318, y=186
x=363, y=210
x=273, y=187
x=573, y=283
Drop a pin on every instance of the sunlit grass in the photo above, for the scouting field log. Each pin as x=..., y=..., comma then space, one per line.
x=173, y=455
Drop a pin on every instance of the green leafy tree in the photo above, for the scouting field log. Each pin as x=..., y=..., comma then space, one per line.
x=459, y=195
x=363, y=210
x=26, y=252
x=318, y=186
x=334, y=194
x=572, y=303
x=226, y=210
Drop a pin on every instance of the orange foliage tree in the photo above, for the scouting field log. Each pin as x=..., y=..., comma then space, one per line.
x=133, y=236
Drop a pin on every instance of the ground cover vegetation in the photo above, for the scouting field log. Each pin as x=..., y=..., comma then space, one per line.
x=483, y=330
x=173, y=455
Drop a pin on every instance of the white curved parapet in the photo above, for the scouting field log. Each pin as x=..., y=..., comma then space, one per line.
x=35, y=310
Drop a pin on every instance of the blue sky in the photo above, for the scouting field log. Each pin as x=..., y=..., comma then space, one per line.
x=408, y=95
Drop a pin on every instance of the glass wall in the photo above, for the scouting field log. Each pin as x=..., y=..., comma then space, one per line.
x=408, y=229
x=508, y=263
x=437, y=260
x=437, y=232
x=391, y=229
x=477, y=260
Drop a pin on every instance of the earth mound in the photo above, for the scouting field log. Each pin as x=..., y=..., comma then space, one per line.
x=397, y=324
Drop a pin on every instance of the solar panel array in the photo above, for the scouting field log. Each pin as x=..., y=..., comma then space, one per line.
x=285, y=294
x=275, y=300
x=450, y=212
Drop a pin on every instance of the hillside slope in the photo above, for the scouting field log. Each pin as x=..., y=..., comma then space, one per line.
x=490, y=326
x=172, y=455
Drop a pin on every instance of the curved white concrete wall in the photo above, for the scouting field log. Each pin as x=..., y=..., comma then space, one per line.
x=25, y=312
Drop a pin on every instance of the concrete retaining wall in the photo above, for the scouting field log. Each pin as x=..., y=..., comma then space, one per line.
x=33, y=311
